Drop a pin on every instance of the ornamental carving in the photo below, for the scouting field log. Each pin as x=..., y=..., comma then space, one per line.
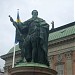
x=68, y=55
x=50, y=58
x=59, y=58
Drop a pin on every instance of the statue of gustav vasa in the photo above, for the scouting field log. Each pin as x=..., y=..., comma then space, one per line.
x=33, y=39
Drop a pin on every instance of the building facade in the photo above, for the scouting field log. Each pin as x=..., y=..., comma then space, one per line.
x=1, y=72
x=61, y=50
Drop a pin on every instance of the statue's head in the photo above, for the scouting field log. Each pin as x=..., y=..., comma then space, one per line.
x=34, y=13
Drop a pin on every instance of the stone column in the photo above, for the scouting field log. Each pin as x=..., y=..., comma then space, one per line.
x=51, y=61
x=69, y=63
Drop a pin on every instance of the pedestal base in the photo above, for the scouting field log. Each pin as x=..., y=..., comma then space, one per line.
x=32, y=70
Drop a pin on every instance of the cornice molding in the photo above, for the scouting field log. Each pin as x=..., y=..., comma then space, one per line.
x=10, y=55
x=62, y=51
x=63, y=39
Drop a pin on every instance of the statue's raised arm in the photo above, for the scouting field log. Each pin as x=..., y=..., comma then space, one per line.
x=11, y=19
x=20, y=34
x=14, y=23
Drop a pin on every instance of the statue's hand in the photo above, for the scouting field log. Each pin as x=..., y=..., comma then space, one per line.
x=11, y=19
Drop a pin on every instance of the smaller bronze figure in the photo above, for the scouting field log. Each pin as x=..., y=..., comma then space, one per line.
x=33, y=39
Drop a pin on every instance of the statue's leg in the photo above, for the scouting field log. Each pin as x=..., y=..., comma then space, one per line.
x=34, y=49
x=43, y=59
x=45, y=50
x=28, y=53
x=28, y=50
x=34, y=52
x=41, y=56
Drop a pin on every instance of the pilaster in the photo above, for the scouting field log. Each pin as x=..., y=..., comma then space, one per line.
x=51, y=61
x=69, y=62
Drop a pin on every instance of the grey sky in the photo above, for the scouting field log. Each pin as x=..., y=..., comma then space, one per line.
x=60, y=11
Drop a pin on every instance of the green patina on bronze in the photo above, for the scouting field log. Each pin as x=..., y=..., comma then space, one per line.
x=31, y=64
x=32, y=36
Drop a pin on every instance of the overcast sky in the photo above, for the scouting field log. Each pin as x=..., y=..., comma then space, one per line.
x=60, y=11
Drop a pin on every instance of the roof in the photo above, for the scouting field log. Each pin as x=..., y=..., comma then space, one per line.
x=62, y=33
x=56, y=33
x=16, y=49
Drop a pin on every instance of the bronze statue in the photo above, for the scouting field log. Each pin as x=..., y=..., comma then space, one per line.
x=33, y=39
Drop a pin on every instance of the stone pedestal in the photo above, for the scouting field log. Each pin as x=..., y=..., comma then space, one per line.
x=32, y=70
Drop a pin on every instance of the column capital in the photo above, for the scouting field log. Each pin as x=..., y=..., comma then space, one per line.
x=59, y=57
x=68, y=55
x=50, y=58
